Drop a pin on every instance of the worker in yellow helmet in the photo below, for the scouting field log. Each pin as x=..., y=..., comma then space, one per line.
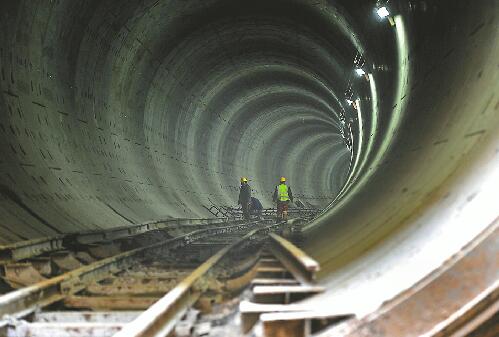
x=245, y=197
x=282, y=196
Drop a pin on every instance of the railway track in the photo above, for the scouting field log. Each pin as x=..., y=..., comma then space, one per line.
x=33, y=261
x=218, y=279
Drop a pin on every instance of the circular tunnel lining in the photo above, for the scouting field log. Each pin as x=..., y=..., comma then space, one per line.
x=120, y=112
x=124, y=113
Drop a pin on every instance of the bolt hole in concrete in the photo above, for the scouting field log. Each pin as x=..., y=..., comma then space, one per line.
x=165, y=105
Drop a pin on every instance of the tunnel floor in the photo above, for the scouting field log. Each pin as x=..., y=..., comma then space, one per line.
x=216, y=280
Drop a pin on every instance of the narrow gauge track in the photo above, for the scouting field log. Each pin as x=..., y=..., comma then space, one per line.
x=276, y=279
x=33, y=261
x=28, y=300
x=123, y=294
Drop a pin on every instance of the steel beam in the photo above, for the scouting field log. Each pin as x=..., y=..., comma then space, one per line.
x=302, y=266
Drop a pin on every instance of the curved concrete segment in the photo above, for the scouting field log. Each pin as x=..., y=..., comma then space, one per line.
x=115, y=113
x=118, y=112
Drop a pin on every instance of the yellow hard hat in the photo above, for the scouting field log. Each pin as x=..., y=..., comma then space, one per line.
x=283, y=179
x=244, y=180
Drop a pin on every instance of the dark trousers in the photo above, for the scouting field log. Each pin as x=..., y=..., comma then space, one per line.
x=246, y=210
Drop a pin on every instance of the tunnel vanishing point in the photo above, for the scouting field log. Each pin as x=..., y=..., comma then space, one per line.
x=114, y=113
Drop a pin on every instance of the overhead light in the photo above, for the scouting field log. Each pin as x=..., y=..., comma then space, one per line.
x=383, y=12
x=360, y=71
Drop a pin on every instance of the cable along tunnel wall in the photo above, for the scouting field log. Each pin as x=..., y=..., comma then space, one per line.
x=114, y=113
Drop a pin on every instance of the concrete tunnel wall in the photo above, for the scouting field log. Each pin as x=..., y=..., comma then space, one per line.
x=116, y=112
x=119, y=113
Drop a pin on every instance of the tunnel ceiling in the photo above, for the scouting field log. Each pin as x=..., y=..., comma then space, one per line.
x=118, y=112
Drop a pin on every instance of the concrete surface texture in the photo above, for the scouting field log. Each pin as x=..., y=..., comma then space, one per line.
x=117, y=112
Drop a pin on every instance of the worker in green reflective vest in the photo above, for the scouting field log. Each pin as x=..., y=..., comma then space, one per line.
x=282, y=196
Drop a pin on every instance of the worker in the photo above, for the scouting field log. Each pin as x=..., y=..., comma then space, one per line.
x=282, y=196
x=256, y=207
x=245, y=197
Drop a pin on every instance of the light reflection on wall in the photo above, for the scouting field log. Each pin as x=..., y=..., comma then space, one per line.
x=396, y=116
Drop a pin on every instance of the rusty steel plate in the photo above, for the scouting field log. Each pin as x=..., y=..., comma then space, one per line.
x=461, y=298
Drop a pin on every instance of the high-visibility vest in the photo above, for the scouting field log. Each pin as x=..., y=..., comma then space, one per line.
x=283, y=192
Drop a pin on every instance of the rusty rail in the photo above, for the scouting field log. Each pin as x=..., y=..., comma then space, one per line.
x=23, y=301
x=30, y=248
x=302, y=266
x=461, y=298
x=160, y=319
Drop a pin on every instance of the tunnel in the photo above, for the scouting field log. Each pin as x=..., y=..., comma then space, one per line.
x=113, y=113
